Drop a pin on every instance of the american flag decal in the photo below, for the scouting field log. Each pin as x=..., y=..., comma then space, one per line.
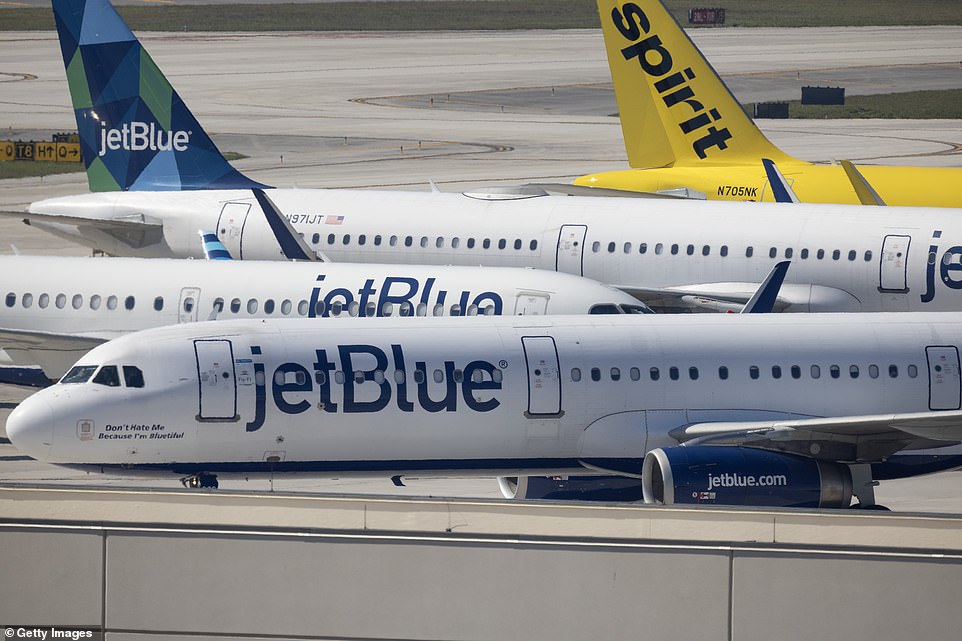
x=334, y=220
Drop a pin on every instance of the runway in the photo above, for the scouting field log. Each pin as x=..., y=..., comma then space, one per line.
x=349, y=110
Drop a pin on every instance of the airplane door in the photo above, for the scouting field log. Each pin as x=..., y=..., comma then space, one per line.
x=945, y=381
x=230, y=226
x=189, y=300
x=894, y=263
x=569, y=257
x=217, y=387
x=531, y=304
x=544, y=377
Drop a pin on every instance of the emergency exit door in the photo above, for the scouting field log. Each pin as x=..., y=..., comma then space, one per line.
x=230, y=227
x=894, y=263
x=945, y=382
x=569, y=257
x=544, y=377
x=217, y=385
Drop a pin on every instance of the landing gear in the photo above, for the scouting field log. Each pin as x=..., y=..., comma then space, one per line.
x=202, y=480
x=863, y=486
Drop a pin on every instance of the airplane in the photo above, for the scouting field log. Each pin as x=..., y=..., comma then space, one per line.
x=55, y=309
x=683, y=127
x=805, y=410
x=674, y=255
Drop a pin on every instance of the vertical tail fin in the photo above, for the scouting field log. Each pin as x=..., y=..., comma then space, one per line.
x=674, y=108
x=135, y=131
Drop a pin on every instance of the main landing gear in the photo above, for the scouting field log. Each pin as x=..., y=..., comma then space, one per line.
x=201, y=480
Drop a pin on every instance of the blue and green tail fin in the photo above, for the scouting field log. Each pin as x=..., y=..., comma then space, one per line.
x=136, y=133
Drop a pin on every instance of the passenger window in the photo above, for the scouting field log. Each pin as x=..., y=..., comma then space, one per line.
x=470, y=243
x=816, y=371
x=912, y=371
x=533, y=245
x=486, y=243
x=406, y=309
x=611, y=248
x=94, y=302
x=723, y=251
x=393, y=241
x=604, y=308
x=642, y=248
x=439, y=376
x=129, y=303
x=690, y=250
x=893, y=371
x=159, y=303
x=269, y=306
x=673, y=373
x=502, y=243
x=11, y=299
x=595, y=374
x=339, y=377
x=873, y=371
x=804, y=253
x=693, y=373
x=517, y=243
x=331, y=239
x=358, y=376
x=497, y=376
x=723, y=373
x=107, y=376
x=575, y=374
x=111, y=302
x=776, y=371
x=408, y=241
x=753, y=372
x=377, y=240
x=218, y=305
x=399, y=376
x=674, y=249
x=61, y=301
x=438, y=310
x=788, y=252
x=749, y=251
x=252, y=306
x=79, y=374
x=424, y=241
x=315, y=239
x=834, y=371
x=370, y=309
x=836, y=255
x=615, y=374
x=77, y=302
x=133, y=377
x=387, y=308
x=851, y=254
x=659, y=248
x=44, y=300
x=596, y=247
x=455, y=242
x=361, y=239
x=773, y=252
x=868, y=256
x=302, y=307
x=796, y=372
x=705, y=250
x=235, y=305
x=654, y=374
x=418, y=376
x=188, y=304
x=820, y=254
x=853, y=371
x=28, y=301
x=455, y=309
x=634, y=373
x=286, y=307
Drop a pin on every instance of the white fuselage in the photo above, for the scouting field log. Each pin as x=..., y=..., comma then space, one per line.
x=481, y=394
x=844, y=258
x=102, y=298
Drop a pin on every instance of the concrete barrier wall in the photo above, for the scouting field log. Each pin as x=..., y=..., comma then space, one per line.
x=420, y=579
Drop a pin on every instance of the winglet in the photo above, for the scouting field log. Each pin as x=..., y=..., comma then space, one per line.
x=764, y=298
x=135, y=131
x=866, y=194
x=674, y=108
x=213, y=248
x=290, y=241
x=781, y=190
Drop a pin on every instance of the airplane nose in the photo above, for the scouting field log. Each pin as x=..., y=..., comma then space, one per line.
x=30, y=428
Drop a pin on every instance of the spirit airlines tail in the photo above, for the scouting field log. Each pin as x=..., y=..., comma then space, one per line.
x=786, y=410
x=56, y=309
x=684, y=128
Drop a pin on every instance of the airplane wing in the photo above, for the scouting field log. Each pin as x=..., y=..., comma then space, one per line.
x=54, y=353
x=866, y=438
x=582, y=190
x=136, y=222
x=732, y=297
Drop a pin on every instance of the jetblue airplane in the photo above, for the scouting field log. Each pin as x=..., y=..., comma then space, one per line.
x=56, y=309
x=157, y=178
x=774, y=410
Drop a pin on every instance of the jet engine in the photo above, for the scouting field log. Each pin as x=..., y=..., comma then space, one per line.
x=725, y=475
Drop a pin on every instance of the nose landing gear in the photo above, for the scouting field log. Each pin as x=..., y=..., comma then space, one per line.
x=200, y=480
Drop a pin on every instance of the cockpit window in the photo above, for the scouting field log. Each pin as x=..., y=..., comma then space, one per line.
x=79, y=374
x=108, y=376
x=639, y=308
x=133, y=376
x=604, y=308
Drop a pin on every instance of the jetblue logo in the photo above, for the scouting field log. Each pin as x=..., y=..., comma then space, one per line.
x=364, y=379
x=631, y=22
x=949, y=268
x=744, y=480
x=141, y=136
x=393, y=292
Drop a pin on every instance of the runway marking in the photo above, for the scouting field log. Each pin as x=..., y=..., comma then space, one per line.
x=16, y=76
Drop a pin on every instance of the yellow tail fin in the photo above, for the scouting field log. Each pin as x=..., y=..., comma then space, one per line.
x=674, y=108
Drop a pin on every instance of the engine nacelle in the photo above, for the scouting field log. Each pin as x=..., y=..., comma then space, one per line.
x=723, y=475
x=572, y=488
